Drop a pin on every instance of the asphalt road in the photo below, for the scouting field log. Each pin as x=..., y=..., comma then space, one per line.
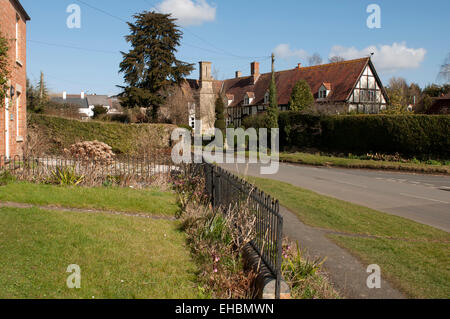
x=422, y=198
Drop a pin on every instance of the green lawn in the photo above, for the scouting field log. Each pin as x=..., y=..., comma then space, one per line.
x=420, y=269
x=149, y=201
x=119, y=256
x=419, y=266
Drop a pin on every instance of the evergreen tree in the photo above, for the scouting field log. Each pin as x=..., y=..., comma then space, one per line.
x=151, y=66
x=272, y=110
x=32, y=100
x=301, y=97
x=220, y=117
x=3, y=68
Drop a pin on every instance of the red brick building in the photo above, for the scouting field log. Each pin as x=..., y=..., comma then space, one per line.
x=13, y=109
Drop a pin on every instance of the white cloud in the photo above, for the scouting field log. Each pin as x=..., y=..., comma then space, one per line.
x=188, y=12
x=283, y=51
x=386, y=57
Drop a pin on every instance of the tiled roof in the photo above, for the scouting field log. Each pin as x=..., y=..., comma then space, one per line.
x=21, y=9
x=71, y=99
x=98, y=100
x=342, y=76
x=327, y=85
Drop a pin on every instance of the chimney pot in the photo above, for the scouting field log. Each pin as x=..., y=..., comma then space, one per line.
x=82, y=95
x=299, y=66
x=238, y=74
x=64, y=95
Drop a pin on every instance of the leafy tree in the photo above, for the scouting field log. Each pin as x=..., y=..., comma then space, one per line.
x=301, y=97
x=151, y=65
x=3, y=68
x=335, y=59
x=99, y=110
x=272, y=110
x=315, y=59
x=444, y=72
x=220, y=117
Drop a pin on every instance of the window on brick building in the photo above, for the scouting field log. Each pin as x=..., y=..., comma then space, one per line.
x=17, y=38
x=17, y=114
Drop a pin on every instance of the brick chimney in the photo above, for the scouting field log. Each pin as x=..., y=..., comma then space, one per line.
x=255, y=68
x=238, y=74
x=205, y=71
x=255, y=71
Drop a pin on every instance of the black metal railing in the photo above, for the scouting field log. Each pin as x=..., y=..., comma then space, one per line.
x=226, y=190
x=140, y=167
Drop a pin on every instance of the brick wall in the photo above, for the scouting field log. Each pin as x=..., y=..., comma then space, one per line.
x=9, y=12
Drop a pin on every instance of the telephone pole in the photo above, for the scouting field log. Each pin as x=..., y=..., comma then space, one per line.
x=273, y=62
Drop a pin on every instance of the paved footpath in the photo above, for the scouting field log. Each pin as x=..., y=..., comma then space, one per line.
x=347, y=273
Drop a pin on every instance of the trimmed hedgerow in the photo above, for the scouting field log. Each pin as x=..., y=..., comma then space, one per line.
x=410, y=135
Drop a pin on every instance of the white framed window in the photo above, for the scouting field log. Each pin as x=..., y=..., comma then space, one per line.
x=322, y=94
x=17, y=38
x=246, y=100
x=17, y=114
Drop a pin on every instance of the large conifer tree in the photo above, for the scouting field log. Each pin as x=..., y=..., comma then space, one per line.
x=151, y=65
x=301, y=97
x=220, y=116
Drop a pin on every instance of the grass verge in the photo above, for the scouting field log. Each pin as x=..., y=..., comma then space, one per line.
x=413, y=255
x=149, y=201
x=420, y=269
x=321, y=160
x=119, y=257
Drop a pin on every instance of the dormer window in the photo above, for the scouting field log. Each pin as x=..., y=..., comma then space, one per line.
x=230, y=99
x=324, y=90
x=322, y=94
x=249, y=98
x=266, y=98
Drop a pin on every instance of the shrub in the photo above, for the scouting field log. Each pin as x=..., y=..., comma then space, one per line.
x=66, y=176
x=91, y=151
x=99, y=110
x=6, y=177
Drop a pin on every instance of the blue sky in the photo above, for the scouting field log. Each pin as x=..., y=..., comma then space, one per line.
x=412, y=42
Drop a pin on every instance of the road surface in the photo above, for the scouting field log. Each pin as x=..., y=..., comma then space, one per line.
x=422, y=198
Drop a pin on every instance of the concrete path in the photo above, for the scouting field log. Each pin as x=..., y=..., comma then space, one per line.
x=422, y=198
x=348, y=275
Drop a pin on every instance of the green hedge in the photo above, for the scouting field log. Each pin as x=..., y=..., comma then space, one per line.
x=410, y=135
x=130, y=139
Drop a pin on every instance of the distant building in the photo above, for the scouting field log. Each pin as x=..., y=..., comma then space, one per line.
x=441, y=105
x=353, y=85
x=86, y=103
x=13, y=116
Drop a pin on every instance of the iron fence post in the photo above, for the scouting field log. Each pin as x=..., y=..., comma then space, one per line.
x=279, y=255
